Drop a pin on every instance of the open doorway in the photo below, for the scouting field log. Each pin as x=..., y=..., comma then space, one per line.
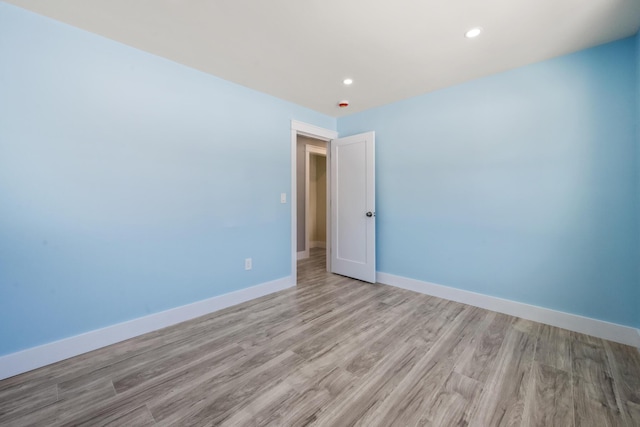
x=311, y=176
x=350, y=218
x=314, y=137
x=316, y=202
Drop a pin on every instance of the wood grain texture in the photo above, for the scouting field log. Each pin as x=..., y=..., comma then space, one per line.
x=338, y=352
x=502, y=401
x=594, y=388
x=411, y=402
x=625, y=369
x=549, y=400
x=480, y=356
x=553, y=347
x=454, y=402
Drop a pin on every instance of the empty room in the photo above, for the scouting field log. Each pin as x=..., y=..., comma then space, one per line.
x=322, y=213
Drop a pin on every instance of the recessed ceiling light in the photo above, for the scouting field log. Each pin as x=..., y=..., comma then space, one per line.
x=347, y=81
x=474, y=32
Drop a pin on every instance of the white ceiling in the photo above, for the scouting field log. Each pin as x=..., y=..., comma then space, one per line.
x=301, y=50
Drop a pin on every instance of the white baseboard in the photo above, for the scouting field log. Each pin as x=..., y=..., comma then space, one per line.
x=36, y=357
x=318, y=244
x=573, y=322
x=303, y=254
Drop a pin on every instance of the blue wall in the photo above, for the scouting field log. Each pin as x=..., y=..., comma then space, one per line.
x=129, y=184
x=521, y=185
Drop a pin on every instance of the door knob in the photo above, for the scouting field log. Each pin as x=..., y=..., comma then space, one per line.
x=370, y=214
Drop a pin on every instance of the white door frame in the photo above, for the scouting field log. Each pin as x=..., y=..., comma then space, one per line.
x=310, y=150
x=304, y=129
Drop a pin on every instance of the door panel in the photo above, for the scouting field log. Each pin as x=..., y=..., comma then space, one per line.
x=353, y=195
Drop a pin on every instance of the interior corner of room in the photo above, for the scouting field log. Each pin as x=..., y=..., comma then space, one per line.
x=134, y=189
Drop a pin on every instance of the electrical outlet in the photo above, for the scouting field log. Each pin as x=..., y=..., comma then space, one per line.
x=247, y=264
x=283, y=197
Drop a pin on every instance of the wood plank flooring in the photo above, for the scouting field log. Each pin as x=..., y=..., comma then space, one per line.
x=338, y=352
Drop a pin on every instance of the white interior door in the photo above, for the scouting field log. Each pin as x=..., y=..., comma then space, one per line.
x=353, y=220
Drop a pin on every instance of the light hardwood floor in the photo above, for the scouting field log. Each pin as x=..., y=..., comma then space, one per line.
x=338, y=352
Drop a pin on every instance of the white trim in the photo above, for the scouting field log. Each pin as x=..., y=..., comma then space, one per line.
x=327, y=215
x=312, y=131
x=36, y=357
x=305, y=129
x=303, y=254
x=317, y=244
x=294, y=202
x=573, y=322
x=320, y=151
